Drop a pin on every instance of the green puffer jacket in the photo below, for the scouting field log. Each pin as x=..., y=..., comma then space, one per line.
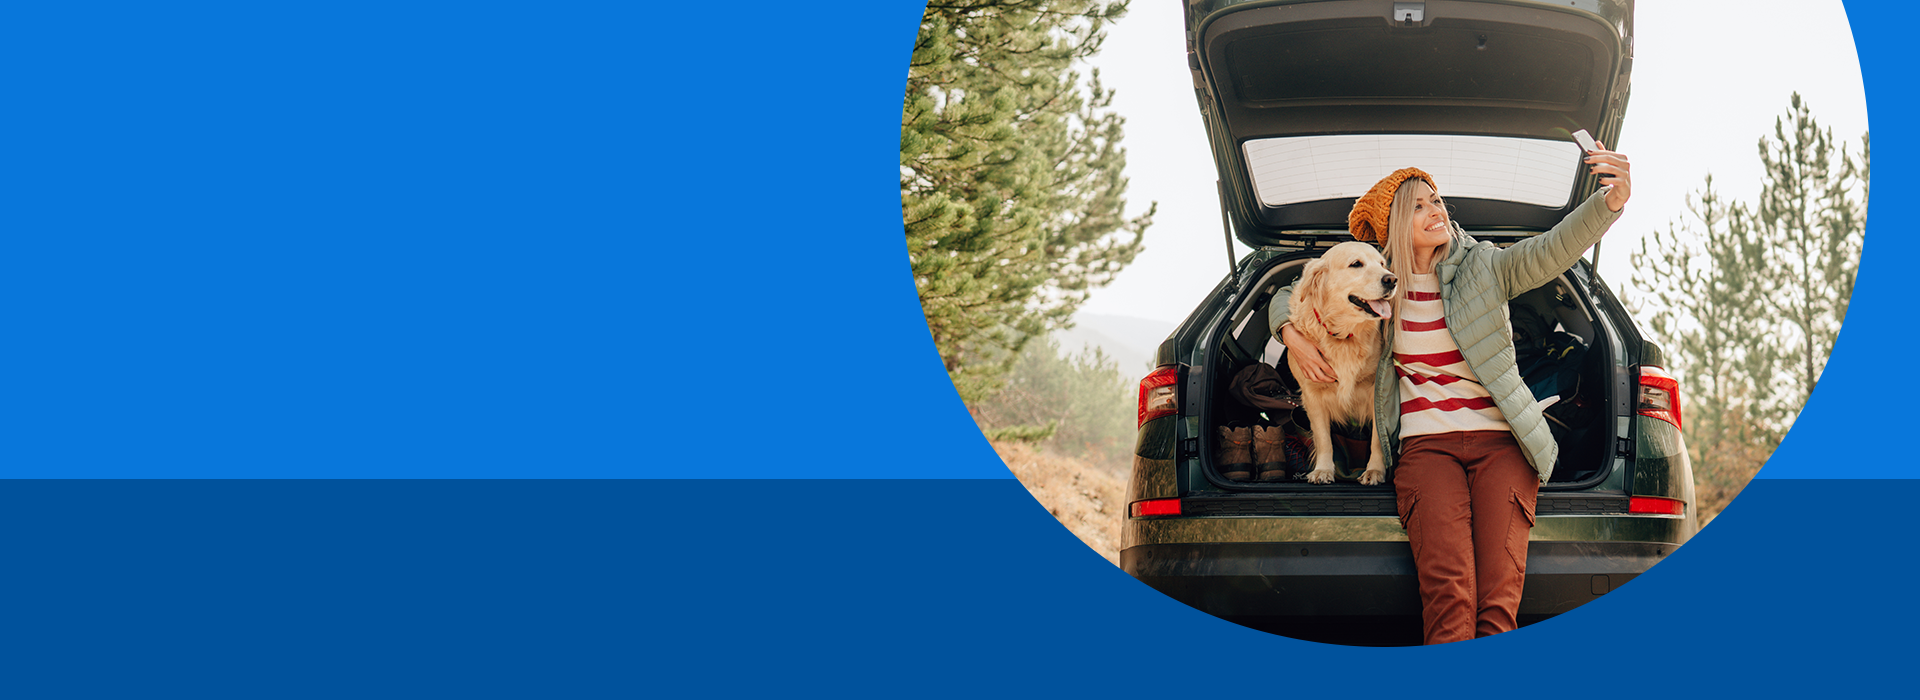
x=1477, y=280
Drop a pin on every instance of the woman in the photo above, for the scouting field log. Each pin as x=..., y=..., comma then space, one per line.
x=1472, y=446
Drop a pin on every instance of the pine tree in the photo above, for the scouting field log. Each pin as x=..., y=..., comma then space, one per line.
x=1813, y=224
x=1010, y=177
x=1078, y=405
x=1703, y=277
x=1747, y=300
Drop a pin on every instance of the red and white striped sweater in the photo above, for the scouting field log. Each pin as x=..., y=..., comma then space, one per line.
x=1438, y=390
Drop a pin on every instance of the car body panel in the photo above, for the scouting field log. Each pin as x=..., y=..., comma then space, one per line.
x=1363, y=579
x=1547, y=528
x=1151, y=478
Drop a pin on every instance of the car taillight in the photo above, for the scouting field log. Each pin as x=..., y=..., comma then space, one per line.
x=1158, y=506
x=1656, y=505
x=1158, y=393
x=1659, y=395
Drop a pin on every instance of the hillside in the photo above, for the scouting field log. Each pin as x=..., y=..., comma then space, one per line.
x=1129, y=341
x=1086, y=499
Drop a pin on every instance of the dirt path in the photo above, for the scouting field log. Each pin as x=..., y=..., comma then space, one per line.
x=1086, y=499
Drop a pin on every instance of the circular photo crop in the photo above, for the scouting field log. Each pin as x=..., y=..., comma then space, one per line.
x=1379, y=323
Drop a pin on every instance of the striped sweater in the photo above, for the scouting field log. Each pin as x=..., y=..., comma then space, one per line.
x=1438, y=390
x=1477, y=279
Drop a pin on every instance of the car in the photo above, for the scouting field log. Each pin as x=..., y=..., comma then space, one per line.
x=1306, y=105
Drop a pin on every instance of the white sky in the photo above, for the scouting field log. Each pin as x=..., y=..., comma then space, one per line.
x=1709, y=79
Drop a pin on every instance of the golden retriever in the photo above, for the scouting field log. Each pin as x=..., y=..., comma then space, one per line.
x=1339, y=304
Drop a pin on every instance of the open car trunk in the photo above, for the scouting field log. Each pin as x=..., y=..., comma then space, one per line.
x=1576, y=363
x=1308, y=103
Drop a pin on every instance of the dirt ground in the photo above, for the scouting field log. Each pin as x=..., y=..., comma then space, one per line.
x=1086, y=499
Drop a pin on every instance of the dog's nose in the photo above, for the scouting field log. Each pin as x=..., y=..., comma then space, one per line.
x=1388, y=280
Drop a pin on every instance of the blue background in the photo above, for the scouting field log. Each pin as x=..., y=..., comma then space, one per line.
x=408, y=243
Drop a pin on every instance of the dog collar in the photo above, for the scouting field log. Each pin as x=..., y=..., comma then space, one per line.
x=1323, y=325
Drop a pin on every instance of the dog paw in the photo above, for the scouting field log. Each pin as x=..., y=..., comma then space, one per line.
x=1320, y=476
x=1373, y=477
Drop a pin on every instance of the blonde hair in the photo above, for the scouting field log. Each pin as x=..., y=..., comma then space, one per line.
x=1399, y=244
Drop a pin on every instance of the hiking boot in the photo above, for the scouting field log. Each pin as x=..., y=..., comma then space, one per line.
x=1270, y=452
x=1235, y=457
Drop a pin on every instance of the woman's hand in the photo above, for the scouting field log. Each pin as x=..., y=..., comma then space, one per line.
x=1607, y=162
x=1307, y=354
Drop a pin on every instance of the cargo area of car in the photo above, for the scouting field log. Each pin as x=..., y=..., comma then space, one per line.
x=1582, y=422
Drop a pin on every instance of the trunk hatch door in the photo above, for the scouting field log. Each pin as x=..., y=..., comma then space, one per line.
x=1308, y=103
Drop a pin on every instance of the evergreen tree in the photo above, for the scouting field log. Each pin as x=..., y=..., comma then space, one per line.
x=1010, y=177
x=1813, y=223
x=1747, y=300
x=1079, y=405
x=1703, y=276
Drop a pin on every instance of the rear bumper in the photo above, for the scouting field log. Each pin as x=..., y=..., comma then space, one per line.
x=1347, y=579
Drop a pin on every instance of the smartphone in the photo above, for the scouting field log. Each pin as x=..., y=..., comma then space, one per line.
x=1586, y=144
x=1585, y=140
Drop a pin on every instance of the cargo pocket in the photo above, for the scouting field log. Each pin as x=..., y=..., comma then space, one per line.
x=1405, y=503
x=1516, y=534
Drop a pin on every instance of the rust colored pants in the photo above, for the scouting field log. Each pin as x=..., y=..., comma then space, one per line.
x=1467, y=502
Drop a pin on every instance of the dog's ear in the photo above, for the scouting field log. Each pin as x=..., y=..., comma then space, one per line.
x=1307, y=291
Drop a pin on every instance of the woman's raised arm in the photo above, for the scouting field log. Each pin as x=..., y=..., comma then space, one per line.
x=1530, y=263
x=1607, y=162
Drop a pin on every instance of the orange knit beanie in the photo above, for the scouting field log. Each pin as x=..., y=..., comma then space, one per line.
x=1368, y=222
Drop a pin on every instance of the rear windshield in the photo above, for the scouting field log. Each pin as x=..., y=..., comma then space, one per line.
x=1308, y=168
